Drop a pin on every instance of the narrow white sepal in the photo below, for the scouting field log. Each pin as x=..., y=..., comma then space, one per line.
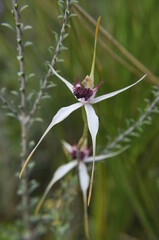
x=67, y=83
x=83, y=179
x=106, y=156
x=60, y=172
x=84, y=184
x=93, y=126
x=59, y=117
x=112, y=94
x=64, y=112
x=67, y=146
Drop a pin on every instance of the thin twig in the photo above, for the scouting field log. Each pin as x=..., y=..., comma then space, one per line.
x=22, y=117
x=8, y=105
x=137, y=124
x=20, y=56
x=118, y=46
x=54, y=59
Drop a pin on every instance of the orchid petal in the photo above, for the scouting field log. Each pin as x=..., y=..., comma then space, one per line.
x=105, y=156
x=67, y=146
x=83, y=178
x=68, y=84
x=112, y=94
x=59, y=117
x=84, y=183
x=60, y=172
x=93, y=126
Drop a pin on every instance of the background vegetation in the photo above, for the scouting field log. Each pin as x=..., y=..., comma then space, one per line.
x=125, y=196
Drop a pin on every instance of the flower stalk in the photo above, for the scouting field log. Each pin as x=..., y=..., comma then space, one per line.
x=83, y=143
x=86, y=226
x=83, y=139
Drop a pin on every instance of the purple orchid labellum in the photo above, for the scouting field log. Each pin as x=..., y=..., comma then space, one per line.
x=82, y=92
x=85, y=93
x=75, y=153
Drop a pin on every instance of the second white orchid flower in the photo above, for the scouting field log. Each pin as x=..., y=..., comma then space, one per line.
x=80, y=159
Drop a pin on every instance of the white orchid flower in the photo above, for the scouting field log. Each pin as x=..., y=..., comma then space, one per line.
x=86, y=98
x=85, y=93
x=80, y=159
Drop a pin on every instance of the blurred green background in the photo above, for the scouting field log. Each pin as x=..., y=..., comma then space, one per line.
x=125, y=196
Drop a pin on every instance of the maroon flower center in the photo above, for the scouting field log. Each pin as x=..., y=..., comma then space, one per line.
x=82, y=92
x=74, y=154
x=82, y=154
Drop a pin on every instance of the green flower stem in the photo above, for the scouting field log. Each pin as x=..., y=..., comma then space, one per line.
x=82, y=142
x=85, y=130
x=86, y=227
